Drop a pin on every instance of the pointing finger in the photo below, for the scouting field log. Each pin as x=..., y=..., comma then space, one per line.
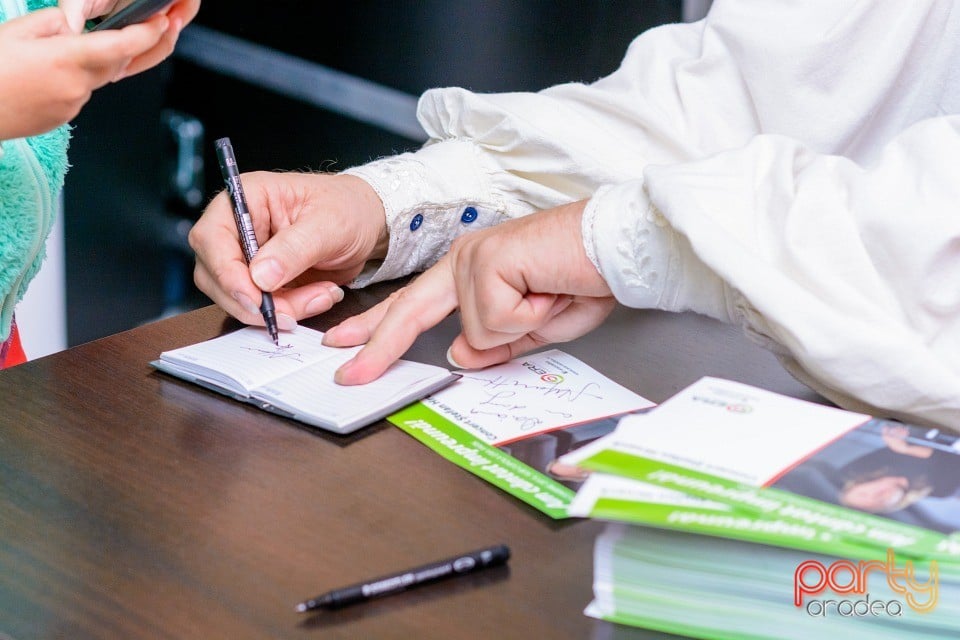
x=416, y=308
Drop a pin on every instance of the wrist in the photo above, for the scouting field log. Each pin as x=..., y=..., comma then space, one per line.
x=369, y=209
x=591, y=280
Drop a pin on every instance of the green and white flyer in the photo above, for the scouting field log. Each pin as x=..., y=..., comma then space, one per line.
x=509, y=423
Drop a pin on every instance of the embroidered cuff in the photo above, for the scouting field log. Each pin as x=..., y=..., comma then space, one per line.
x=630, y=243
x=430, y=198
x=644, y=261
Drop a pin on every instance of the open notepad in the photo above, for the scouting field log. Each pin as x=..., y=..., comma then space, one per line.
x=295, y=380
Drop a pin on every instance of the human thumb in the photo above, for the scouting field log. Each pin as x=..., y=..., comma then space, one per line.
x=74, y=16
x=461, y=355
x=77, y=11
x=282, y=258
x=268, y=273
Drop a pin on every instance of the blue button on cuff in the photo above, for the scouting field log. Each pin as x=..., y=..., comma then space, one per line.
x=416, y=222
x=469, y=215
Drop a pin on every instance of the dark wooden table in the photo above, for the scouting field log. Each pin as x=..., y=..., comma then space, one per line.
x=133, y=505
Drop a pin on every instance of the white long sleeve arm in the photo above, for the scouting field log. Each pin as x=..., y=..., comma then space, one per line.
x=722, y=125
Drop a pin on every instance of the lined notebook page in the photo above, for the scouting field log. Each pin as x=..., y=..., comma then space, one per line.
x=312, y=390
x=250, y=358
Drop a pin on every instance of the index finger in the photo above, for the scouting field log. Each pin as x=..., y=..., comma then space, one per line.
x=222, y=270
x=417, y=307
x=180, y=14
x=105, y=48
x=214, y=237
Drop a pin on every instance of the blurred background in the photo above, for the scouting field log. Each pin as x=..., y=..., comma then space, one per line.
x=296, y=86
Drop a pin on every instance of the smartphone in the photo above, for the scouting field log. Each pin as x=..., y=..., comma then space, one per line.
x=136, y=11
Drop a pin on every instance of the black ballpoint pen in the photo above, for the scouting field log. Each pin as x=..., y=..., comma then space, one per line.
x=241, y=215
x=403, y=580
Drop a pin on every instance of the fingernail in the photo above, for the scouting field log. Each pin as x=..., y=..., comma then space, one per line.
x=336, y=293
x=329, y=336
x=340, y=377
x=285, y=322
x=453, y=363
x=323, y=302
x=246, y=303
x=267, y=274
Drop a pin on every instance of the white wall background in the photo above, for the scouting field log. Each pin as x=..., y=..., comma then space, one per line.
x=42, y=314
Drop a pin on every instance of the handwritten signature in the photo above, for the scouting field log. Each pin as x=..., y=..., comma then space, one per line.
x=283, y=351
x=500, y=402
x=572, y=394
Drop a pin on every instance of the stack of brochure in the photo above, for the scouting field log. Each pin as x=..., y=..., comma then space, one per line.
x=679, y=583
x=834, y=521
x=814, y=513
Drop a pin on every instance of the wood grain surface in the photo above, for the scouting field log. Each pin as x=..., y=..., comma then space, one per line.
x=134, y=505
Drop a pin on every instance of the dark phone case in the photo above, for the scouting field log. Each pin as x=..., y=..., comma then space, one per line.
x=137, y=11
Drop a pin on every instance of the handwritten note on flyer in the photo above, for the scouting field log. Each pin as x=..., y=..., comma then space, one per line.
x=532, y=394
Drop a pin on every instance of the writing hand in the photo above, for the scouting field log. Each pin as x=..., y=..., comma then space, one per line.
x=519, y=286
x=315, y=232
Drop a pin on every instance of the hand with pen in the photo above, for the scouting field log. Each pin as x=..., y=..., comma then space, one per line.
x=316, y=232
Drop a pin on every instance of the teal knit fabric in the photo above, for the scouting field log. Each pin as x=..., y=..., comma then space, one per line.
x=33, y=5
x=21, y=227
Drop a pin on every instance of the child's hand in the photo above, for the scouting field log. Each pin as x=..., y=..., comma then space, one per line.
x=79, y=11
x=179, y=13
x=49, y=72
